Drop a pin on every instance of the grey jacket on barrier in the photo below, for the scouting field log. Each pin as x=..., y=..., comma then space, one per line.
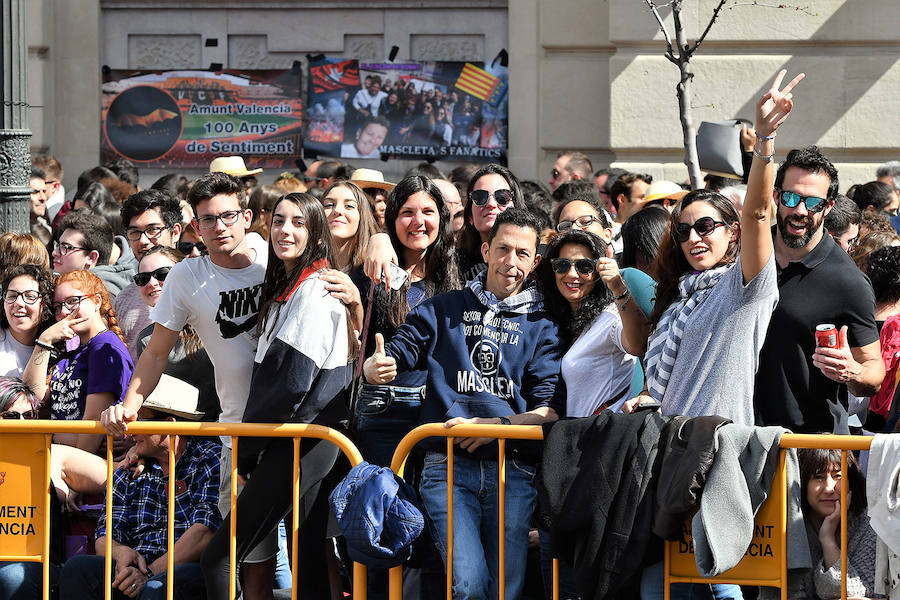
x=739, y=481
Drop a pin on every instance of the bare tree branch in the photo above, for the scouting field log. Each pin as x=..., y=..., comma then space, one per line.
x=803, y=9
x=662, y=27
x=715, y=15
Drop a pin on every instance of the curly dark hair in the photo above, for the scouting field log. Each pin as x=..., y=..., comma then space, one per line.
x=812, y=160
x=599, y=298
x=440, y=259
x=44, y=279
x=883, y=269
x=671, y=263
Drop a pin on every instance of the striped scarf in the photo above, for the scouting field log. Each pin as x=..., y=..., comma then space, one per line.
x=662, y=348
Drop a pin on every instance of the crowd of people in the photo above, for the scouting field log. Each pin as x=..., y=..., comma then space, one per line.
x=338, y=298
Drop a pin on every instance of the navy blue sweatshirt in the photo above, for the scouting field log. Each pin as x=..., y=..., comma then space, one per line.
x=483, y=357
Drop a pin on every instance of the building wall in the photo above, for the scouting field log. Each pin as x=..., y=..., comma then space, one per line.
x=585, y=74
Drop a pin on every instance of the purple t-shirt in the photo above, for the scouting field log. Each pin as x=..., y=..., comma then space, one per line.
x=102, y=365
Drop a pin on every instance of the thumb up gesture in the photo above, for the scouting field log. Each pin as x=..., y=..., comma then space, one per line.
x=380, y=368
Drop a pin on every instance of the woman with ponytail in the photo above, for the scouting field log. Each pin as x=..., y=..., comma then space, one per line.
x=94, y=368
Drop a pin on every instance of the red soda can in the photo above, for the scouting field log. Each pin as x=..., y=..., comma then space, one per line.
x=826, y=336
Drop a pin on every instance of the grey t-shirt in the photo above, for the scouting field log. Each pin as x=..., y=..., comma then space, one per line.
x=719, y=353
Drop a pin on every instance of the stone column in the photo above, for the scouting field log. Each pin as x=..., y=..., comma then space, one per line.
x=15, y=159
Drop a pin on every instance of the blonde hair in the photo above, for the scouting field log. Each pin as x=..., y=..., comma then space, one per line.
x=90, y=284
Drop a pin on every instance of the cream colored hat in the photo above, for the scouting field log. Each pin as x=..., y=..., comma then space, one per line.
x=232, y=165
x=175, y=397
x=664, y=189
x=371, y=178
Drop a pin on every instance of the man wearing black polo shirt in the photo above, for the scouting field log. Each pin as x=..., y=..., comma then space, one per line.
x=818, y=283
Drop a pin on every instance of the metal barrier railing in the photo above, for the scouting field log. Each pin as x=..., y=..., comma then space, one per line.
x=233, y=430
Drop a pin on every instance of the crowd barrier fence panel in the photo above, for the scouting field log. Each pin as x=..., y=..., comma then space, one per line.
x=25, y=456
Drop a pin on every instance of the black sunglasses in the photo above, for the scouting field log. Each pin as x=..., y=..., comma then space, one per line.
x=584, y=266
x=14, y=414
x=704, y=226
x=187, y=247
x=142, y=279
x=481, y=197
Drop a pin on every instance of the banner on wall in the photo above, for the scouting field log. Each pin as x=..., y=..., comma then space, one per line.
x=441, y=110
x=182, y=119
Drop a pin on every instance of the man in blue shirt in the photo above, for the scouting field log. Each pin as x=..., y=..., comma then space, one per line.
x=492, y=356
x=139, y=516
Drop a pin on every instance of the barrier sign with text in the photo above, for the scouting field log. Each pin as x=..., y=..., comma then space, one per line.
x=181, y=119
x=23, y=494
x=764, y=556
x=440, y=110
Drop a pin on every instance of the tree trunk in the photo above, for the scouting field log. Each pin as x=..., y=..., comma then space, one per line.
x=689, y=133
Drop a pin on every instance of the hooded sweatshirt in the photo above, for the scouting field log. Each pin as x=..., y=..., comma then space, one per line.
x=484, y=357
x=117, y=277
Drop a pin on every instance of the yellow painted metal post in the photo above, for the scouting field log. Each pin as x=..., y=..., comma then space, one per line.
x=449, y=518
x=45, y=567
x=295, y=528
x=667, y=567
x=107, y=561
x=232, y=543
x=501, y=526
x=844, y=484
x=782, y=538
x=555, y=579
x=170, y=514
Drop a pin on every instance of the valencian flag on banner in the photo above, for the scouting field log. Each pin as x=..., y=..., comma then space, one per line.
x=481, y=84
x=335, y=76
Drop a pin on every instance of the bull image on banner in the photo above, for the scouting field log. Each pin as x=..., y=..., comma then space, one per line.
x=182, y=119
x=442, y=110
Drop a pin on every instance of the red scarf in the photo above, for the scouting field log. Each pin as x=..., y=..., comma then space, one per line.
x=313, y=268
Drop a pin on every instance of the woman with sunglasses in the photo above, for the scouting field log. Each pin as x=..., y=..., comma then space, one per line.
x=26, y=310
x=301, y=374
x=188, y=360
x=716, y=291
x=95, y=368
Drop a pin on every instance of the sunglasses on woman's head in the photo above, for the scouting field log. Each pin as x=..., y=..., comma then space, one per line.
x=14, y=414
x=792, y=199
x=142, y=279
x=584, y=266
x=187, y=247
x=481, y=197
x=704, y=226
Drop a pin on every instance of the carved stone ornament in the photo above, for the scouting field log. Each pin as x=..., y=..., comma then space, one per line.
x=447, y=47
x=15, y=159
x=164, y=51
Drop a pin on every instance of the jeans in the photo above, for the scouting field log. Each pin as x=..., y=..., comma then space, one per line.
x=475, y=520
x=22, y=580
x=385, y=413
x=82, y=577
x=567, y=588
x=653, y=586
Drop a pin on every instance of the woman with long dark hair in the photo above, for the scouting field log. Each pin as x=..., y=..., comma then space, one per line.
x=301, y=374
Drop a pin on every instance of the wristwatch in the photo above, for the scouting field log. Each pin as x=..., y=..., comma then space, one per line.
x=505, y=421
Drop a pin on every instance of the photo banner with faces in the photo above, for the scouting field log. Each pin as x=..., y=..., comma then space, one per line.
x=415, y=110
x=185, y=119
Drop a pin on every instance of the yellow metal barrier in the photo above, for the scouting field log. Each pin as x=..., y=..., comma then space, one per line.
x=234, y=430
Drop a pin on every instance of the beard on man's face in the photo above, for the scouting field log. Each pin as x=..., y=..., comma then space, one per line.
x=796, y=231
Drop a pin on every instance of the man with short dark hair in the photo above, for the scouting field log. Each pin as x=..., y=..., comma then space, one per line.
x=369, y=137
x=570, y=165
x=56, y=193
x=492, y=356
x=140, y=505
x=38, y=214
x=843, y=222
x=150, y=218
x=627, y=194
x=85, y=241
x=799, y=385
x=367, y=101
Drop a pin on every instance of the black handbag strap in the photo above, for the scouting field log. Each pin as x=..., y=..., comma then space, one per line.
x=365, y=332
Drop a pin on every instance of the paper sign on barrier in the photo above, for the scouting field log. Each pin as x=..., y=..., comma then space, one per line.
x=23, y=495
x=763, y=560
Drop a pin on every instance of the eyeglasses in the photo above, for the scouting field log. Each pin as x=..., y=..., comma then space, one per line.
x=792, y=199
x=152, y=232
x=228, y=218
x=14, y=414
x=64, y=249
x=582, y=222
x=143, y=278
x=71, y=303
x=704, y=226
x=584, y=266
x=481, y=197
x=188, y=247
x=28, y=296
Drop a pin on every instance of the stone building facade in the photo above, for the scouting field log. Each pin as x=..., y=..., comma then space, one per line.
x=584, y=74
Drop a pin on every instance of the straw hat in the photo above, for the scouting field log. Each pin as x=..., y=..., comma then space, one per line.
x=664, y=189
x=371, y=178
x=232, y=165
x=175, y=397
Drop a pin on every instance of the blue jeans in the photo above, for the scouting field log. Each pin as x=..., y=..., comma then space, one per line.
x=653, y=586
x=82, y=577
x=385, y=413
x=475, y=520
x=22, y=580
